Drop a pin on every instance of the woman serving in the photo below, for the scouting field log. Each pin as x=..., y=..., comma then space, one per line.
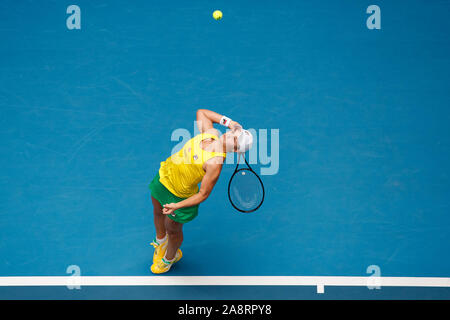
x=174, y=190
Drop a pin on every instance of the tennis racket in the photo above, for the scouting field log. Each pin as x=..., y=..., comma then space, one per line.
x=245, y=189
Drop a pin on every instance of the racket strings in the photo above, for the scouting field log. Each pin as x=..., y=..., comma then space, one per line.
x=246, y=190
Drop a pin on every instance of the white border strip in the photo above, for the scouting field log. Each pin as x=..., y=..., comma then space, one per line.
x=225, y=281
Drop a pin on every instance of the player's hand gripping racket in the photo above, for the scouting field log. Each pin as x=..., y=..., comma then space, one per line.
x=245, y=189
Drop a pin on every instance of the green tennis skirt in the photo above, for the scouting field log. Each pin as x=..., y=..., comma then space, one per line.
x=164, y=196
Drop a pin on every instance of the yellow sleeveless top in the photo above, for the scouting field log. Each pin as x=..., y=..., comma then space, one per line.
x=183, y=171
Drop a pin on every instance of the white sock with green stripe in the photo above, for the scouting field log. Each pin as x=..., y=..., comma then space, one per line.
x=159, y=241
x=168, y=261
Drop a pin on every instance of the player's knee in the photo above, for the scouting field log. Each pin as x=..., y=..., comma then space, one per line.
x=173, y=228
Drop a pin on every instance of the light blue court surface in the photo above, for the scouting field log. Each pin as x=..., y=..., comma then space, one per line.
x=364, y=146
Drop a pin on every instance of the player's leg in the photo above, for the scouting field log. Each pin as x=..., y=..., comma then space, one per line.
x=158, y=219
x=160, y=242
x=175, y=232
x=172, y=253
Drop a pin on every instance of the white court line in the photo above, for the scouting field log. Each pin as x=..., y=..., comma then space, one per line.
x=225, y=281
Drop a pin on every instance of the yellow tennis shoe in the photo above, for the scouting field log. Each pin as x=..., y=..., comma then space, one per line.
x=160, y=249
x=163, y=265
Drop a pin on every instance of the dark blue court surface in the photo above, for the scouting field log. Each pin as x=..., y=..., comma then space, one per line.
x=360, y=176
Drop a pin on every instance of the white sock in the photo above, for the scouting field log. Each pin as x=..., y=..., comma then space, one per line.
x=169, y=260
x=161, y=240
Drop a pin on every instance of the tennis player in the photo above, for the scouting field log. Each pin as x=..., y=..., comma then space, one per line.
x=174, y=190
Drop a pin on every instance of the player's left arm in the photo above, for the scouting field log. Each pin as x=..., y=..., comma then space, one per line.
x=206, y=118
x=208, y=182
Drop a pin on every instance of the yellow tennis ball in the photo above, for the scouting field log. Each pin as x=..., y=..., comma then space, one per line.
x=217, y=14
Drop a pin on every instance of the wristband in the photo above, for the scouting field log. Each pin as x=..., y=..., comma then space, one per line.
x=225, y=121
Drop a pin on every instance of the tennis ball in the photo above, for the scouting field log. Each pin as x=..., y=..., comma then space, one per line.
x=217, y=14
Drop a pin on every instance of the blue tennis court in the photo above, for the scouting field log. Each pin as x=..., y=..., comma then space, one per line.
x=353, y=147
